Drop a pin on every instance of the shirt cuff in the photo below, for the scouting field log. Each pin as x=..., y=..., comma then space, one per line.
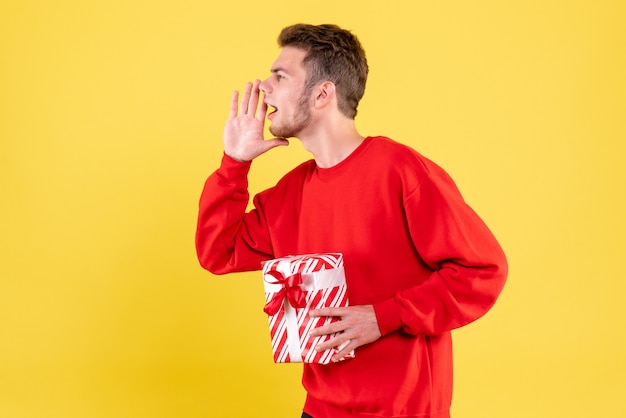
x=233, y=169
x=389, y=315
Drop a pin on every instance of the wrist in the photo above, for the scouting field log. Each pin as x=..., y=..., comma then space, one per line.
x=236, y=159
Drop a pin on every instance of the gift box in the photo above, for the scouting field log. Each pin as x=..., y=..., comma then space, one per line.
x=293, y=286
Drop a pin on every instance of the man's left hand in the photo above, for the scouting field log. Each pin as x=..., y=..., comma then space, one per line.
x=357, y=324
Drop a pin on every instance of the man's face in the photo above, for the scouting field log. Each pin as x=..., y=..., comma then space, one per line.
x=285, y=94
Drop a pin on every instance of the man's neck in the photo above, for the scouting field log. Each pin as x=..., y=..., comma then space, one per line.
x=331, y=146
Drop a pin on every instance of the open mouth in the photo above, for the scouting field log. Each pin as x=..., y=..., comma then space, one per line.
x=272, y=111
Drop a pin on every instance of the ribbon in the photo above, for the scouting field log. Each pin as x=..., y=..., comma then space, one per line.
x=290, y=289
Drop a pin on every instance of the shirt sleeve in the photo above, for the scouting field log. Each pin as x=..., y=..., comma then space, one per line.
x=227, y=238
x=468, y=265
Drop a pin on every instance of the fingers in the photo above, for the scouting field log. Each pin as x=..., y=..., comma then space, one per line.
x=328, y=312
x=254, y=97
x=341, y=343
x=249, y=101
x=245, y=99
x=234, y=104
x=331, y=343
x=343, y=350
x=262, y=113
x=331, y=328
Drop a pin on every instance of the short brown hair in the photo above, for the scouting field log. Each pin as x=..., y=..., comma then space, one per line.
x=333, y=54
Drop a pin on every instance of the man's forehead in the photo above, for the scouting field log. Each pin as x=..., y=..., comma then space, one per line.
x=289, y=59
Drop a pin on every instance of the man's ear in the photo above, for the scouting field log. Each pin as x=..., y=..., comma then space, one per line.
x=325, y=93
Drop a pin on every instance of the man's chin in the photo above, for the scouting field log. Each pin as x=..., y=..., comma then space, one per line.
x=281, y=133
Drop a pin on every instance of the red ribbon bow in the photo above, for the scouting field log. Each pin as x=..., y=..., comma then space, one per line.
x=290, y=289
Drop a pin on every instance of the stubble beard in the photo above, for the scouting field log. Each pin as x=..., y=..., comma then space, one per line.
x=301, y=119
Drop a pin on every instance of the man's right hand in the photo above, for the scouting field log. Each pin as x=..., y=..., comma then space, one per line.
x=243, y=133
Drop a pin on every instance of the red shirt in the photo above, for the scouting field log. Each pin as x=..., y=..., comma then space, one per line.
x=412, y=248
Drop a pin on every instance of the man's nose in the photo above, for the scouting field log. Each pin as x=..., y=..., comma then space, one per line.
x=265, y=86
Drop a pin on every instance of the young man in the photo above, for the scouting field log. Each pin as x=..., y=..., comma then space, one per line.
x=419, y=262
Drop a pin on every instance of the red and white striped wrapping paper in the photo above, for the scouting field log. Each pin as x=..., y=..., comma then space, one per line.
x=324, y=285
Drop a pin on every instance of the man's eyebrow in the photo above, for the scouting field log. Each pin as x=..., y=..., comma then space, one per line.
x=278, y=69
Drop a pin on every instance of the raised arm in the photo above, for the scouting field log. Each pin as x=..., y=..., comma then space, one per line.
x=227, y=238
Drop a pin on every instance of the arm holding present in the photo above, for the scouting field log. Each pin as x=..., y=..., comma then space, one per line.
x=468, y=266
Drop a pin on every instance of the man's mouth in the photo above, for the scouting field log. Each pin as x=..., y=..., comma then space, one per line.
x=272, y=111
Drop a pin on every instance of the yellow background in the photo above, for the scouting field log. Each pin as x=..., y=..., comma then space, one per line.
x=111, y=115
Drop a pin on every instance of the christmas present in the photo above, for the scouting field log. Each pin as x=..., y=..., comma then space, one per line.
x=293, y=286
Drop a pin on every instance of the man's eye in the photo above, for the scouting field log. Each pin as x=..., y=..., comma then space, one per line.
x=279, y=76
